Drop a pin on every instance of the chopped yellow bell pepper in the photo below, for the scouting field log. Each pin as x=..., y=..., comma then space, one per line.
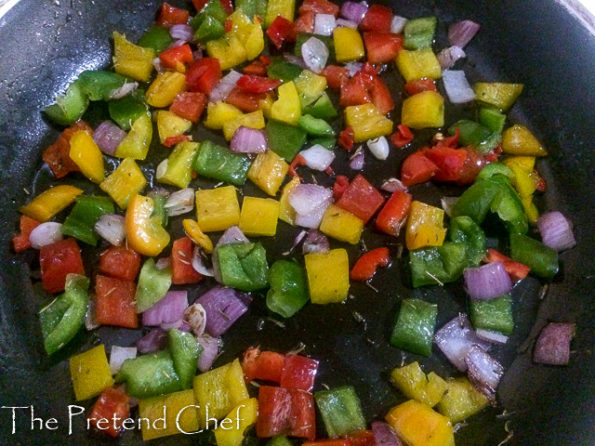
x=349, y=45
x=530, y=209
x=144, y=232
x=250, y=34
x=518, y=140
x=498, y=94
x=309, y=86
x=217, y=209
x=287, y=107
x=136, y=144
x=286, y=211
x=328, y=276
x=254, y=120
x=266, y=105
x=171, y=414
x=164, y=89
x=124, y=182
x=219, y=113
x=367, y=122
x=169, y=124
x=229, y=49
x=524, y=178
x=132, y=60
x=418, y=425
x=422, y=110
x=87, y=156
x=341, y=225
x=461, y=400
x=90, y=373
x=413, y=383
x=241, y=417
x=193, y=231
x=424, y=226
x=259, y=216
x=414, y=65
x=177, y=169
x=219, y=390
x=50, y=202
x=268, y=172
x=284, y=8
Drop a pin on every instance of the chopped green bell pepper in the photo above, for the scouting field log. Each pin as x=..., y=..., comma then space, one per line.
x=214, y=161
x=542, y=259
x=208, y=28
x=414, y=328
x=284, y=139
x=152, y=286
x=80, y=223
x=493, y=314
x=315, y=126
x=289, y=292
x=419, y=33
x=492, y=119
x=465, y=231
x=156, y=37
x=69, y=107
x=279, y=440
x=328, y=142
x=243, y=266
x=279, y=68
x=213, y=8
x=438, y=265
x=159, y=198
x=150, y=375
x=252, y=8
x=341, y=411
x=473, y=134
x=322, y=108
x=495, y=169
x=128, y=109
x=185, y=351
x=178, y=168
x=99, y=85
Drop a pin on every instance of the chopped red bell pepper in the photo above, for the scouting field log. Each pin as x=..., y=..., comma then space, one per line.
x=305, y=23
x=417, y=169
x=203, y=75
x=114, y=302
x=302, y=418
x=346, y=138
x=299, y=160
x=402, y=137
x=378, y=18
x=256, y=68
x=281, y=31
x=361, y=199
x=112, y=404
x=57, y=260
x=541, y=185
x=354, y=91
x=21, y=242
x=120, y=262
x=257, y=84
x=285, y=411
x=228, y=25
x=473, y=165
x=266, y=60
x=227, y=6
x=264, y=365
x=339, y=187
x=362, y=438
x=381, y=96
x=177, y=57
x=382, y=47
x=329, y=442
x=319, y=7
x=182, y=271
x=57, y=156
x=449, y=161
x=394, y=213
x=170, y=15
x=420, y=85
x=299, y=372
x=365, y=267
x=173, y=140
x=189, y=105
x=516, y=271
x=247, y=102
x=335, y=75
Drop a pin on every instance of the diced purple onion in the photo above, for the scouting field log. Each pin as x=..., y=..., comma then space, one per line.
x=324, y=24
x=248, y=140
x=180, y=325
x=448, y=203
x=315, y=242
x=310, y=202
x=379, y=147
x=118, y=355
x=180, y=202
x=483, y=371
x=198, y=263
x=292, y=58
x=124, y=90
x=45, y=234
x=393, y=185
x=224, y=87
x=210, y=350
x=196, y=317
x=182, y=32
x=457, y=87
x=153, y=341
x=167, y=310
x=315, y=54
x=223, y=306
x=162, y=263
x=353, y=11
x=318, y=157
x=232, y=234
x=108, y=136
x=397, y=24
x=346, y=24
x=461, y=33
x=357, y=161
x=455, y=338
x=110, y=227
x=553, y=344
x=491, y=336
x=384, y=435
x=449, y=56
x=487, y=281
x=556, y=231
x=177, y=43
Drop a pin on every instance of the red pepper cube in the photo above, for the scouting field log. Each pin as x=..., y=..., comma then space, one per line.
x=417, y=168
x=181, y=263
x=365, y=267
x=319, y=7
x=247, y=102
x=335, y=75
x=394, y=213
x=266, y=365
x=281, y=31
x=189, y=105
x=362, y=438
x=285, y=411
x=378, y=18
x=57, y=261
x=120, y=262
x=114, y=304
x=257, y=84
x=112, y=403
x=382, y=47
x=203, y=75
x=302, y=418
x=419, y=85
x=381, y=96
x=355, y=91
x=361, y=199
x=299, y=372
x=305, y=23
x=170, y=15
x=21, y=241
x=176, y=57
x=450, y=162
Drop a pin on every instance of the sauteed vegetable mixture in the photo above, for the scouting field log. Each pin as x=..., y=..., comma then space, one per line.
x=291, y=90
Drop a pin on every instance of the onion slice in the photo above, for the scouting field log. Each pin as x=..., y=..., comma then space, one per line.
x=223, y=307
x=198, y=263
x=487, y=281
x=449, y=56
x=455, y=338
x=167, y=310
x=118, y=355
x=310, y=202
x=318, y=158
x=384, y=435
x=111, y=228
x=324, y=24
x=393, y=185
x=108, y=136
x=379, y=147
x=357, y=161
x=224, y=87
x=315, y=242
x=491, y=336
x=182, y=32
x=153, y=341
x=553, y=344
x=180, y=202
x=483, y=371
x=556, y=231
x=315, y=54
x=248, y=140
x=45, y=234
x=457, y=87
x=210, y=350
x=196, y=317
x=461, y=33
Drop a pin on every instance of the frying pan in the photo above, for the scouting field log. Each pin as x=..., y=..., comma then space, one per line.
x=44, y=45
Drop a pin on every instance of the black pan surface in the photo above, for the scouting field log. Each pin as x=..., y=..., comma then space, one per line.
x=44, y=45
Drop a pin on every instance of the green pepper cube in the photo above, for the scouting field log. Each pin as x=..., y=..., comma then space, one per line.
x=80, y=223
x=284, y=139
x=252, y=7
x=153, y=284
x=279, y=68
x=419, y=33
x=127, y=110
x=435, y=266
x=315, y=126
x=492, y=119
x=243, y=266
x=150, y=375
x=156, y=37
x=208, y=28
x=216, y=162
x=159, y=199
x=542, y=259
x=414, y=329
x=177, y=169
x=289, y=292
x=493, y=314
x=185, y=351
x=69, y=107
x=98, y=85
x=279, y=440
x=464, y=230
x=341, y=411
x=322, y=108
x=474, y=134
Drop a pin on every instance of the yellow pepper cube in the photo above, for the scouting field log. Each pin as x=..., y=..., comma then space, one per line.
x=499, y=94
x=124, y=182
x=87, y=156
x=422, y=110
x=286, y=211
x=287, y=107
x=132, y=60
x=418, y=64
x=309, y=86
x=165, y=88
x=177, y=169
x=413, y=383
x=418, y=425
x=424, y=226
x=530, y=209
x=169, y=124
x=50, y=202
x=254, y=120
x=229, y=50
x=268, y=172
x=259, y=216
x=220, y=390
x=219, y=113
x=90, y=373
x=136, y=144
x=176, y=408
x=524, y=179
x=341, y=225
x=266, y=105
x=518, y=140
x=367, y=122
x=328, y=276
x=284, y=8
x=461, y=400
x=349, y=45
x=240, y=418
x=253, y=40
x=217, y=209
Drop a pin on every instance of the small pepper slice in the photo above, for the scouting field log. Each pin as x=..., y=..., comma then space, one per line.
x=365, y=267
x=47, y=204
x=150, y=375
x=257, y=84
x=414, y=328
x=516, y=271
x=144, y=232
x=288, y=293
x=394, y=213
x=113, y=403
x=21, y=241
